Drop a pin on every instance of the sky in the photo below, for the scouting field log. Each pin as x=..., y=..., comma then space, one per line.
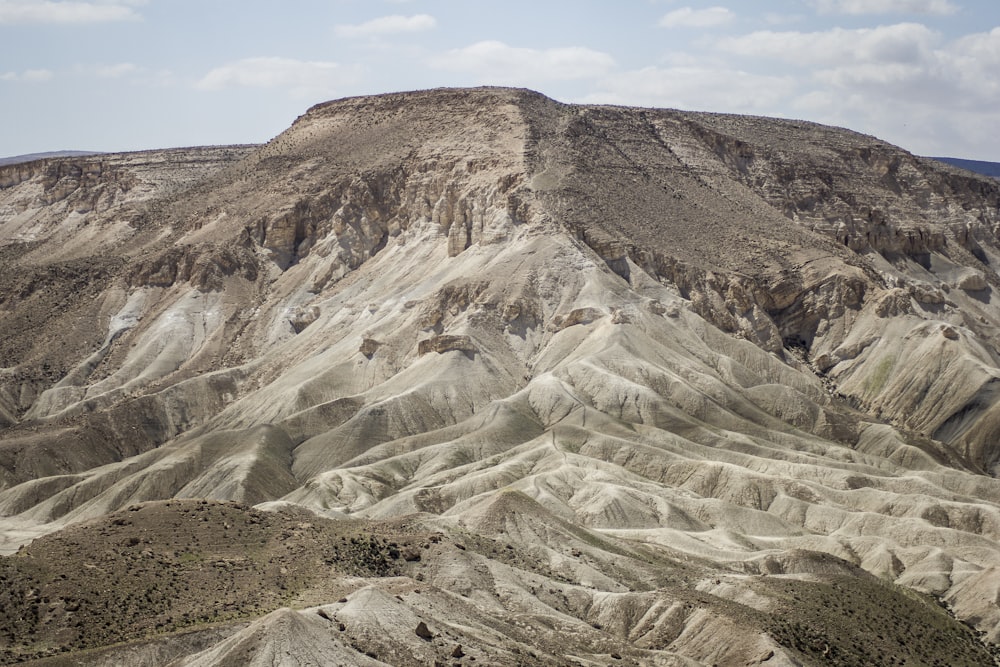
x=117, y=75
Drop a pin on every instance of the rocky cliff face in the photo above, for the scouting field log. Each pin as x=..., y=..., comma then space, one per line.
x=585, y=383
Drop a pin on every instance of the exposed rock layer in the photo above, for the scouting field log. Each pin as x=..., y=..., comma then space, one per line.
x=650, y=377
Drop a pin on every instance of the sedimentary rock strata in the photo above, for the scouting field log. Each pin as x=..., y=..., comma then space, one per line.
x=551, y=384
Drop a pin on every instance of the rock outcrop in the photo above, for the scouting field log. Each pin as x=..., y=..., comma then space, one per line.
x=446, y=343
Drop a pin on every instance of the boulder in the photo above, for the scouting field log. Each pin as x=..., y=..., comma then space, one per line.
x=446, y=343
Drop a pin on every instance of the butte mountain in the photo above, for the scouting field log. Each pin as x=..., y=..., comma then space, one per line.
x=474, y=377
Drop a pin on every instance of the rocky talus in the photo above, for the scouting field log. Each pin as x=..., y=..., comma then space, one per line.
x=475, y=377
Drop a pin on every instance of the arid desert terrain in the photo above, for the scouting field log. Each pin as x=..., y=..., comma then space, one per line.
x=473, y=377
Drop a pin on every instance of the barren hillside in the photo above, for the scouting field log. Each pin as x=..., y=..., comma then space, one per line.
x=476, y=377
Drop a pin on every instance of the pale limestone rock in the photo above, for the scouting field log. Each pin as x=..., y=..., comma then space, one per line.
x=576, y=316
x=972, y=281
x=300, y=318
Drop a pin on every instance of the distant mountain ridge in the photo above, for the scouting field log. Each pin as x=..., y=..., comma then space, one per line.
x=978, y=166
x=31, y=157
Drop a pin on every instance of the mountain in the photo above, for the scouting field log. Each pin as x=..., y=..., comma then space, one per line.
x=978, y=166
x=476, y=377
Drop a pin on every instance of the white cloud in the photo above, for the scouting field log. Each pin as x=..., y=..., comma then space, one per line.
x=50, y=11
x=303, y=78
x=981, y=48
x=900, y=43
x=707, y=88
x=939, y=7
x=905, y=63
x=905, y=83
x=686, y=17
x=774, y=18
x=35, y=75
x=126, y=73
x=28, y=76
x=116, y=71
x=973, y=62
x=497, y=63
x=388, y=25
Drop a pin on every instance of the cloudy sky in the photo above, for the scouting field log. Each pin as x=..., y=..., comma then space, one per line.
x=133, y=74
